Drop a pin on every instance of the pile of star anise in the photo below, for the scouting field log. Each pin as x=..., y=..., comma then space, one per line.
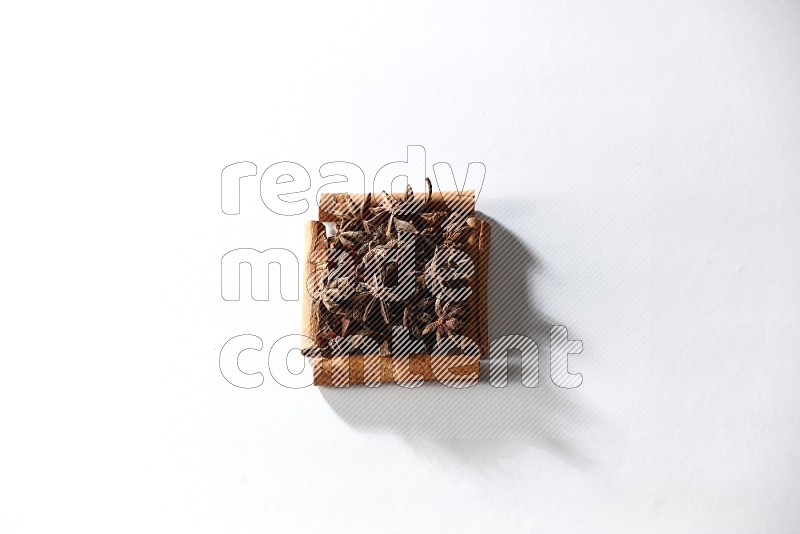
x=366, y=299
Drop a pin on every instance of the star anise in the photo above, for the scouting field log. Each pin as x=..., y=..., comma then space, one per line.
x=344, y=208
x=377, y=235
x=456, y=237
x=433, y=220
x=447, y=322
x=379, y=253
x=445, y=260
x=429, y=237
x=334, y=294
x=345, y=235
x=374, y=294
x=332, y=325
x=417, y=313
x=390, y=208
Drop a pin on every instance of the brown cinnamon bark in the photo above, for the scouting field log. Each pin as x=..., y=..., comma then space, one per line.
x=478, y=245
x=310, y=327
x=464, y=201
x=343, y=371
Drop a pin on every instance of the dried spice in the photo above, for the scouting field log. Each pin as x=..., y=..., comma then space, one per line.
x=446, y=323
x=390, y=209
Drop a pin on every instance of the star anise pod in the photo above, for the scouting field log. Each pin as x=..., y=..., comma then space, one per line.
x=343, y=207
x=379, y=232
x=447, y=260
x=344, y=235
x=332, y=325
x=447, y=322
x=334, y=294
x=433, y=220
x=417, y=313
x=387, y=209
x=390, y=208
x=379, y=253
x=374, y=294
x=456, y=237
x=425, y=244
x=334, y=329
x=404, y=226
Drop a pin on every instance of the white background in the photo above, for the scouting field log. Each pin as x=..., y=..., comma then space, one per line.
x=643, y=157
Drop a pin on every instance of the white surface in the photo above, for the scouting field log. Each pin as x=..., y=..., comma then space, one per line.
x=647, y=154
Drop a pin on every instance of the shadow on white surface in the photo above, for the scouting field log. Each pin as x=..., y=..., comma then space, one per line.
x=484, y=424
